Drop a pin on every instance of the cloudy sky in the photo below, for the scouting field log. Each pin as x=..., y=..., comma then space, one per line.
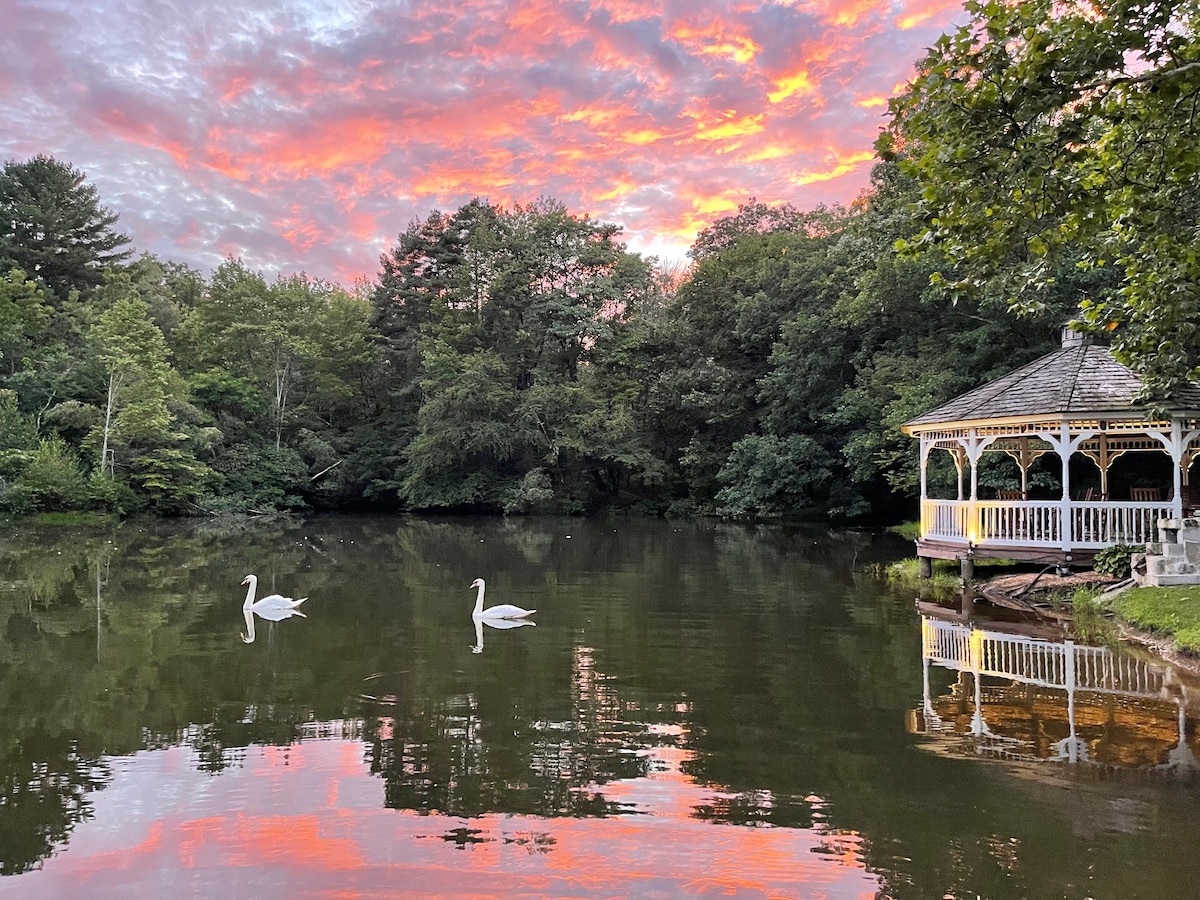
x=307, y=134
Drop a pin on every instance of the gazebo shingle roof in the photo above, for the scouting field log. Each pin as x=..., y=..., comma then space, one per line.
x=1083, y=379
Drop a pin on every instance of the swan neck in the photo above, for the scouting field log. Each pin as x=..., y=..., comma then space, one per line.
x=479, y=599
x=250, y=592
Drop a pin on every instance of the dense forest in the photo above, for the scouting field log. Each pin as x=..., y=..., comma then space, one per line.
x=523, y=360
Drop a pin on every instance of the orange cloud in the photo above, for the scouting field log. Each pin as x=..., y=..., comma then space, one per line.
x=717, y=38
x=844, y=166
x=918, y=12
x=145, y=134
x=846, y=13
x=798, y=82
x=341, y=144
x=728, y=125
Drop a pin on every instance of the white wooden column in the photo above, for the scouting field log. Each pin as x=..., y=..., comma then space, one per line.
x=1176, y=444
x=1065, y=446
x=972, y=447
x=959, y=455
x=926, y=446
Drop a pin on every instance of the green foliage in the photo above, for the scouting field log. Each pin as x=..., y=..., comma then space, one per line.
x=945, y=581
x=1114, y=560
x=115, y=497
x=132, y=352
x=50, y=479
x=465, y=438
x=17, y=431
x=1054, y=143
x=24, y=319
x=255, y=479
x=53, y=227
x=535, y=493
x=769, y=476
x=171, y=481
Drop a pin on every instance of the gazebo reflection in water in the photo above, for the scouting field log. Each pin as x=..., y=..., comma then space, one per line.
x=1079, y=408
x=1019, y=697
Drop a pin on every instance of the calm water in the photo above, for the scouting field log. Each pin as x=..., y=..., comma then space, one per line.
x=700, y=709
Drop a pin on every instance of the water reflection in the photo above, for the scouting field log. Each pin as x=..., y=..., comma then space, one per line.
x=692, y=676
x=269, y=614
x=1021, y=697
x=498, y=624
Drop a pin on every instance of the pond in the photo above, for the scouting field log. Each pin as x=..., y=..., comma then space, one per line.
x=699, y=709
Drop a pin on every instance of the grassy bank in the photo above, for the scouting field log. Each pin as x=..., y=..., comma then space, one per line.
x=1169, y=611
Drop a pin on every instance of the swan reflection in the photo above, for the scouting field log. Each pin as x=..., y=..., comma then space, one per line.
x=501, y=624
x=271, y=614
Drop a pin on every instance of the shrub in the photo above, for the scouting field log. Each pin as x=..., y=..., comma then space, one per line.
x=50, y=480
x=1114, y=560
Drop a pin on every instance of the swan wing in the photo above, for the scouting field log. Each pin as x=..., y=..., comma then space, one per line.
x=277, y=601
x=506, y=611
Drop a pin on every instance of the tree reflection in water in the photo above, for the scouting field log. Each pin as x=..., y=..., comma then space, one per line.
x=682, y=675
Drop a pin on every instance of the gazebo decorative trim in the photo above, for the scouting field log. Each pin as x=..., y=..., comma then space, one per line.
x=1078, y=400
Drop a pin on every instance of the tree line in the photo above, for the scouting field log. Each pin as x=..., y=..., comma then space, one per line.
x=523, y=360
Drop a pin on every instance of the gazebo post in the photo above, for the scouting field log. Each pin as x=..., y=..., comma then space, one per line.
x=1064, y=452
x=973, y=458
x=1176, y=444
x=1178, y=448
x=925, y=447
x=960, y=456
x=925, y=563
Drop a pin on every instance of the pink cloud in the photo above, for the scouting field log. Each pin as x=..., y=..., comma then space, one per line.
x=307, y=138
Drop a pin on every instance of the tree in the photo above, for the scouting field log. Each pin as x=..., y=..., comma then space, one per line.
x=497, y=315
x=751, y=218
x=465, y=442
x=53, y=226
x=133, y=353
x=1050, y=135
x=245, y=328
x=24, y=317
x=757, y=355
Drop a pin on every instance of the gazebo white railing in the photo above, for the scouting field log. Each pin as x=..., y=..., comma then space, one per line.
x=1050, y=524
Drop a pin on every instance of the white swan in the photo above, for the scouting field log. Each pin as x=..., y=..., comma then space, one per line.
x=271, y=614
x=503, y=611
x=271, y=601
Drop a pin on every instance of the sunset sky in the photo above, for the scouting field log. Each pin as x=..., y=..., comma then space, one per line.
x=307, y=135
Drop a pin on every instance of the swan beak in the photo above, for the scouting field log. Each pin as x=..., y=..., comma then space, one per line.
x=246, y=580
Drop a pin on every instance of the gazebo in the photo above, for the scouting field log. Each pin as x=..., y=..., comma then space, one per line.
x=1075, y=403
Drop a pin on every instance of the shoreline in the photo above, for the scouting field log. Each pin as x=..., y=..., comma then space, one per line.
x=1042, y=595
